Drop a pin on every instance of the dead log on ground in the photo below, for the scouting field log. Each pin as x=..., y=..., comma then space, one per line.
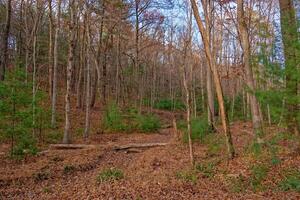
x=143, y=145
x=71, y=146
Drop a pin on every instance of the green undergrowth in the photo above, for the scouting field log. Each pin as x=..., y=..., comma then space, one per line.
x=290, y=181
x=199, y=129
x=128, y=120
x=253, y=182
x=187, y=176
x=207, y=169
x=108, y=175
x=168, y=104
x=271, y=146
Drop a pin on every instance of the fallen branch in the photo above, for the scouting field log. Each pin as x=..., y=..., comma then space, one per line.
x=71, y=146
x=144, y=145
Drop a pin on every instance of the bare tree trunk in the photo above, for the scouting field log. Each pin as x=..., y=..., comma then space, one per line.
x=66, y=138
x=50, y=55
x=26, y=42
x=212, y=65
x=88, y=81
x=256, y=119
x=4, y=61
x=34, y=86
x=55, y=53
x=81, y=64
x=210, y=99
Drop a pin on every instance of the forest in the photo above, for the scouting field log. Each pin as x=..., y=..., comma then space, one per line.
x=150, y=99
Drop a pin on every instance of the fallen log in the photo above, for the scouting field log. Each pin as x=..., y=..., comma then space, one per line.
x=71, y=146
x=135, y=145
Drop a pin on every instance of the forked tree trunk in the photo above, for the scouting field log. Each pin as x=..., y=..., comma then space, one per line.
x=254, y=106
x=213, y=68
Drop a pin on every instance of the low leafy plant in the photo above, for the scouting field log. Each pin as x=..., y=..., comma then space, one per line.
x=187, y=176
x=68, y=169
x=237, y=184
x=207, y=169
x=42, y=175
x=291, y=181
x=112, y=174
x=47, y=190
x=258, y=175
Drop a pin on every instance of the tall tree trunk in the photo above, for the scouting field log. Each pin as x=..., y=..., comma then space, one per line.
x=88, y=80
x=55, y=53
x=50, y=55
x=213, y=68
x=254, y=106
x=4, y=61
x=66, y=138
x=34, y=85
x=290, y=37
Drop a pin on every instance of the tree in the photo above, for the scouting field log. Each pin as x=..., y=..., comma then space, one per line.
x=243, y=31
x=88, y=79
x=50, y=54
x=55, y=55
x=213, y=68
x=4, y=60
x=72, y=10
x=290, y=37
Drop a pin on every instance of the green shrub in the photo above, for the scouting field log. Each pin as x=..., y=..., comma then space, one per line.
x=187, y=176
x=113, y=120
x=112, y=174
x=291, y=181
x=16, y=113
x=199, y=128
x=26, y=145
x=148, y=123
x=168, y=104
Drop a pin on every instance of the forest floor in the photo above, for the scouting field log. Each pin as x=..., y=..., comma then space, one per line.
x=152, y=173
